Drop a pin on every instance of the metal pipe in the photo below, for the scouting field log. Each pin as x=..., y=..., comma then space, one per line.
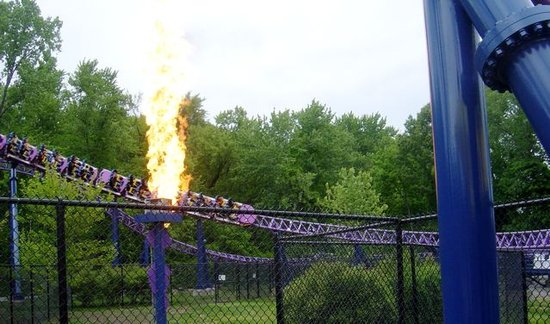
x=63, y=295
x=463, y=177
x=515, y=54
x=485, y=14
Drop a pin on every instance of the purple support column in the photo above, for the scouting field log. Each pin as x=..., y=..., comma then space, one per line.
x=115, y=239
x=14, y=237
x=464, y=197
x=203, y=281
x=159, y=272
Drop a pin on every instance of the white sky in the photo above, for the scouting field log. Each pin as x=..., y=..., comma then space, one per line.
x=352, y=55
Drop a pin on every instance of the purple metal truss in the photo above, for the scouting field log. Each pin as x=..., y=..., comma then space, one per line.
x=21, y=168
x=509, y=240
x=538, y=239
x=179, y=246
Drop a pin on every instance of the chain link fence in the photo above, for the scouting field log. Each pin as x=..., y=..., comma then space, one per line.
x=79, y=262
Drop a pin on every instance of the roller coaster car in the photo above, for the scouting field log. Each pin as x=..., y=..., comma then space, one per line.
x=2, y=142
x=42, y=158
x=144, y=192
x=20, y=149
x=246, y=219
x=88, y=173
x=74, y=167
x=113, y=181
x=195, y=199
x=137, y=189
x=59, y=162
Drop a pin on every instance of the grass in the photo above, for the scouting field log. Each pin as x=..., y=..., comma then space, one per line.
x=246, y=311
x=538, y=310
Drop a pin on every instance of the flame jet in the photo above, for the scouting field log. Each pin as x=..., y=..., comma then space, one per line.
x=166, y=134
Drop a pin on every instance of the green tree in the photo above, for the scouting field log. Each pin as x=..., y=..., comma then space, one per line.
x=353, y=194
x=370, y=133
x=519, y=163
x=36, y=94
x=319, y=148
x=415, y=163
x=98, y=125
x=26, y=38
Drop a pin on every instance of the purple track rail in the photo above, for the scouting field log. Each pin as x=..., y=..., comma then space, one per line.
x=179, y=246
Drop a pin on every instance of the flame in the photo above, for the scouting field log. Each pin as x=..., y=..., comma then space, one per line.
x=166, y=134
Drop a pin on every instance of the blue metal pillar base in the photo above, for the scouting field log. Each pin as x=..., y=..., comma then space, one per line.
x=464, y=193
x=159, y=272
x=115, y=238
x=15, y=264
x=203, y=281
x=358, y=255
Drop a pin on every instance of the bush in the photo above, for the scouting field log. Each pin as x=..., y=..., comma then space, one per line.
x=104, y=285
x=336, y=292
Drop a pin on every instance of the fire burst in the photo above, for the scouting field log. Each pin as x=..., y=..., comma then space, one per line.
x=166, y=134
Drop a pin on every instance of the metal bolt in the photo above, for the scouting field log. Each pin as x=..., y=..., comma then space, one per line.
x=523, y=34
x=499, y=52
x=538, y=28
x=488, y=74
x=510, y=42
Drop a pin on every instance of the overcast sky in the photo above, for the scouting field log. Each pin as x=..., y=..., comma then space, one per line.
x=352, y=55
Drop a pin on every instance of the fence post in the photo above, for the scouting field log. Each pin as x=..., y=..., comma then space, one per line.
x=400, y=279
x=31, y=288
x=62, y=265
x=216, y=280
x=413, y=285
x=238, y=280
x=278, y=250
x=524, y=290
x=12, y=314
x=48, y=293
x=247, y=281
x=257, y=279
x=121, y=284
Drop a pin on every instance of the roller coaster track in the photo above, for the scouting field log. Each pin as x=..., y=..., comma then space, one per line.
x=179, y=246
x=29, y=159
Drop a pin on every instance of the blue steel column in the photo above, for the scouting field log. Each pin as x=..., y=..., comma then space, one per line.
x=202, y=261
x=115, y=238
x=14, y=236
x=145, y=256
x=515, y=54
x=358, y=255
x=159, y=266
x=464, y=196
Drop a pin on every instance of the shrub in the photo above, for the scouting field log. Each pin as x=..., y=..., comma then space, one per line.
x=336, y=292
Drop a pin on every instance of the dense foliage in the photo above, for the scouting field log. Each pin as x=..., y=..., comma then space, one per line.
x=305, y=159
